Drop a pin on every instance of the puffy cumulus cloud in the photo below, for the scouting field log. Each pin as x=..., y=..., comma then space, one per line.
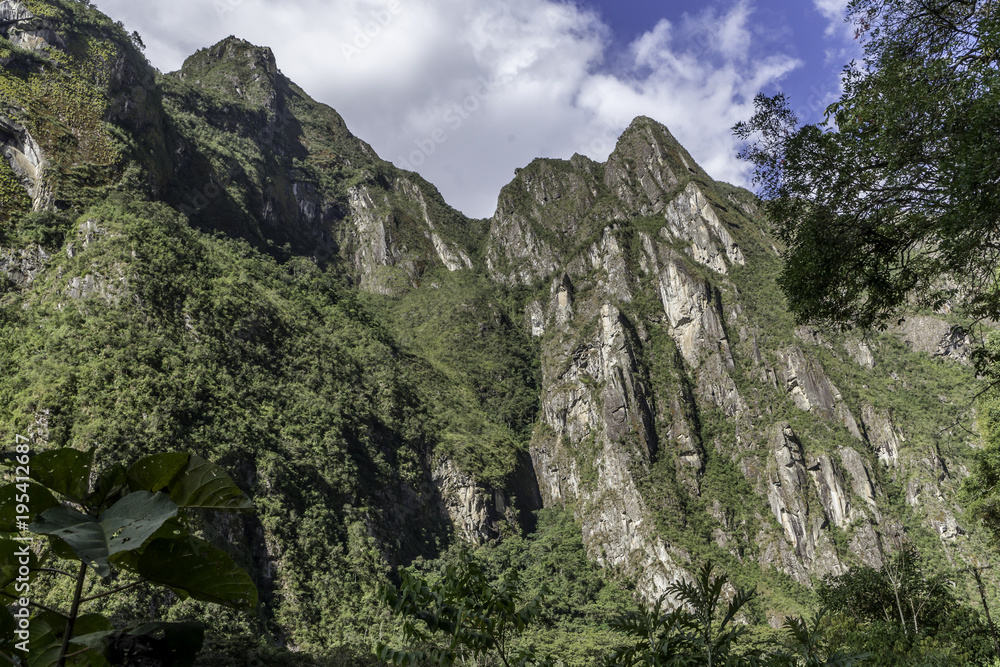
x=465, y=91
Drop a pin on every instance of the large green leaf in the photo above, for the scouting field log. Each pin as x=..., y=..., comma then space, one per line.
x=108, y=489
x=156, y=471
x=204, y=485
x=65, y=471
x=83, y=533
x=59, y=548
x=133, y=519
x=39, y=499
x=46, y=640
x=94, y=640
x=190, y=480
x=126, y=526
x=194, y=566
x=172, y=528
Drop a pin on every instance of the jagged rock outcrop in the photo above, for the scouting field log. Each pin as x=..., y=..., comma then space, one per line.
x=26, y=31
x=846, y=496
x=829, y=482
x=812, y=390
x=607, y=362
x=237, y=68
x=375, y=247
x=639, y=170
x=511, y=237
x=26, y=160
x=861, y=479
x=692, y=219
x=689, y=304
x=605, y=424
x=788, y=492
x=860, y=352
x=936, y=337
x=453, y=257
x=22, y=266
x=607, y=258
x=385, y=226
x=475, y=510
x=546, y=203
x=883, y=434
x=597, y=431
x=947, y=527
x=12, y=11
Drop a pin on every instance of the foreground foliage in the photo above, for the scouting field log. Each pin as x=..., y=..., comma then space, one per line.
x=892, y=201
x=691, y=633
x=704, y=631
x=980, y=488
x=462, y=616
x=905, y=613
x=900, y=614
x=128, y=527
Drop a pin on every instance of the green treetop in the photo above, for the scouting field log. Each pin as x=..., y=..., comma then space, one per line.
x=894, y=198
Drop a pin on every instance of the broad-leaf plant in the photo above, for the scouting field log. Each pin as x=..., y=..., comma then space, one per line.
x=125, y=526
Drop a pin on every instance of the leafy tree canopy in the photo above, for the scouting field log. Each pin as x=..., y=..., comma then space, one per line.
x=461, y=617
x=904, y=613
x=894, y=198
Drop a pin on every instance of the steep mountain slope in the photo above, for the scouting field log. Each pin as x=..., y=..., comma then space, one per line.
x=133, y=328
x=684, y=414
x=209, y=260
x=256, y=155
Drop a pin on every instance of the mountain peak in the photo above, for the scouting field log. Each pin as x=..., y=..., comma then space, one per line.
x=235, y=68
x=647, y=165
x=644, y=130
x=646, y=121
x=234, y=49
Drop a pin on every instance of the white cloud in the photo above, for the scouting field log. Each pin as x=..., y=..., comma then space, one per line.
x=472, y=89
x=834, y=11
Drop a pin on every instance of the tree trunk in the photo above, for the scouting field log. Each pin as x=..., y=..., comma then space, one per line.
x=986, y=608
x=74, y=610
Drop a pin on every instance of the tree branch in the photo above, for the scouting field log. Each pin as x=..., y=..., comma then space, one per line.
x=113, y=591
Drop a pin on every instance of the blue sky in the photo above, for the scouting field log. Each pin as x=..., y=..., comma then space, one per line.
x=465, y=91
x=812, y=32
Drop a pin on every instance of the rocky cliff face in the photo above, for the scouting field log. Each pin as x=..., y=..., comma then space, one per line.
x=69, y=75
x=26, y=161
x=299, y=177
x=653, y=324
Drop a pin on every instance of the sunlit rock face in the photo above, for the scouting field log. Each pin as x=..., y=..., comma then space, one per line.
x=650, y=329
